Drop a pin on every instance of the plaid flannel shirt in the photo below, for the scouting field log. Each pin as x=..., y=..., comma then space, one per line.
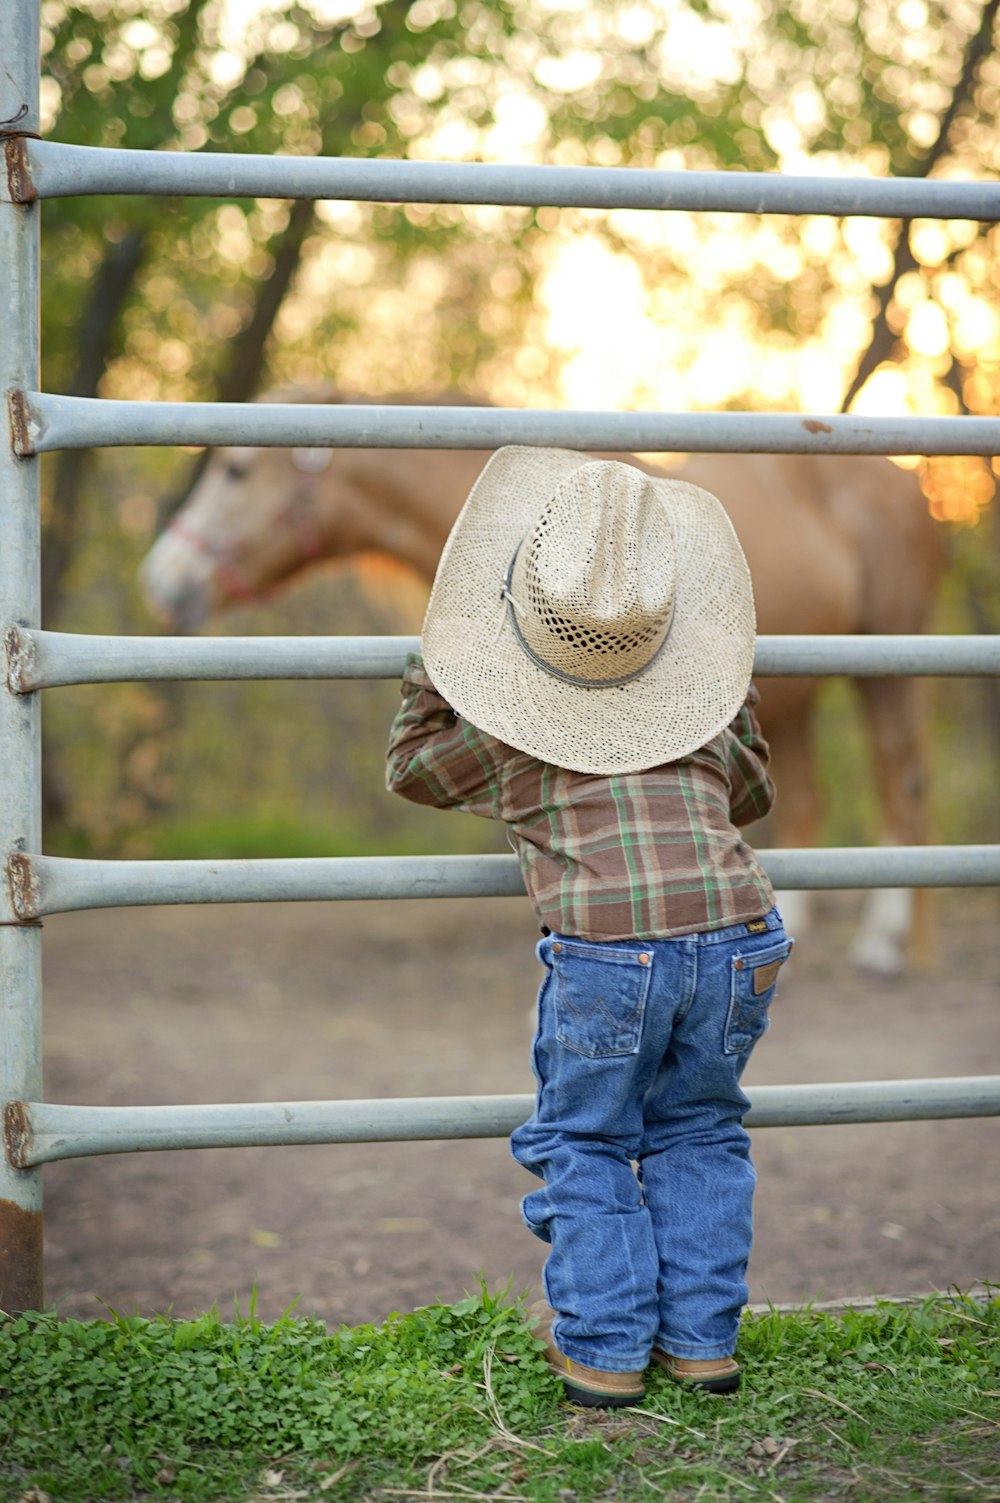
x=638, y=855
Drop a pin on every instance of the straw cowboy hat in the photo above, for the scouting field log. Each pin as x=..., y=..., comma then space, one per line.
x=591, y=615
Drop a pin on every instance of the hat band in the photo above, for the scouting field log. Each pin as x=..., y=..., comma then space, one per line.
x=570, y=678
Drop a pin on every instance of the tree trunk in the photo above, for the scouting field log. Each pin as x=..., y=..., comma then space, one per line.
x=241, y=379
x=882, y=340
x=111, y=288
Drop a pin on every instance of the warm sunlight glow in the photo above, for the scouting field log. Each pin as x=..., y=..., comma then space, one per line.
x=958, y=490
x=884, y=395
x=631, y=309
x=595, y=305
x=927, y=330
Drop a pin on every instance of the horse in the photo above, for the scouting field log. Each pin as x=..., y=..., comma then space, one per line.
x=835, y=544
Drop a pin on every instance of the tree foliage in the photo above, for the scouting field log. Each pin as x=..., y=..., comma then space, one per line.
x=206, y=299
x=209, y=298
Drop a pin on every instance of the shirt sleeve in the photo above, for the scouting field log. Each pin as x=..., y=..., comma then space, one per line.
x=751, y=788
x=434, y=756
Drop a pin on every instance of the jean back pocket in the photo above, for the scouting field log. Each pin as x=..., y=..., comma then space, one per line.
x=754, y=977
x=600, y=997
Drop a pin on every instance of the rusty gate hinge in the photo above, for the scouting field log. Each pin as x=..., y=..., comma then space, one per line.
x=23, y=885
x=22, y=189
x=19, y=417
x=17, y=1133
x=19, y=652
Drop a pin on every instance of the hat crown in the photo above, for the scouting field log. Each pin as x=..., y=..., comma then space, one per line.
x=593, y=583
x=659, y=562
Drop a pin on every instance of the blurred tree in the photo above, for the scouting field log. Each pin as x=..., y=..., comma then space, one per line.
x=883, y=339
x=211, y=300
x=163, y=75
x=183, y=299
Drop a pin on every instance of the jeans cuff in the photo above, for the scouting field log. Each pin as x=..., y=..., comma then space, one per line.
x=603, y=1362
x=695, y=1353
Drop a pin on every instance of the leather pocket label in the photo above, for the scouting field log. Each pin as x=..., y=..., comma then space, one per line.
x=765, y=976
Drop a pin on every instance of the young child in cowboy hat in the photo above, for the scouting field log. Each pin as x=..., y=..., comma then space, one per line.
x=588, y=648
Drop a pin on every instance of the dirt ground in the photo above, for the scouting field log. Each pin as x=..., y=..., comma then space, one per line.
x=311, y=1001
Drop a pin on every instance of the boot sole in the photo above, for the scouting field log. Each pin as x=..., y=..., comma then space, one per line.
x=729, y=1384
x=589, y=1400
x=725, y=1383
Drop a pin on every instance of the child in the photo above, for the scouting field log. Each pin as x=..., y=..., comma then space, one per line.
x=589, y=645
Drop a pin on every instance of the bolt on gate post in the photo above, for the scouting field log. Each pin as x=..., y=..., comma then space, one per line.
x=20, y=728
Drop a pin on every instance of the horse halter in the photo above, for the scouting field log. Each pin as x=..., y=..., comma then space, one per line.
x=297, y=513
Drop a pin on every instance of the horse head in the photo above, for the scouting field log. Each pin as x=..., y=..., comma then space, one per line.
x=250, y=522
x=256, y=517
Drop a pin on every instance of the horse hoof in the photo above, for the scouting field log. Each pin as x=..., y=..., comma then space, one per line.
x=877, y=956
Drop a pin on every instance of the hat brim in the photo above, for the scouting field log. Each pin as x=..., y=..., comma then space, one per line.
x=689, y=692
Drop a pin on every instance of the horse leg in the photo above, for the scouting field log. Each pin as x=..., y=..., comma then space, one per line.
x=797, y=808
x=893, y=916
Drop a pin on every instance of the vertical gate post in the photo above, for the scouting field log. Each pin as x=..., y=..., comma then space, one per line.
x=21, y=1285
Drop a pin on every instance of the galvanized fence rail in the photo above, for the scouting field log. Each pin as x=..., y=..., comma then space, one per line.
x=37, y=1132
x=42, y=422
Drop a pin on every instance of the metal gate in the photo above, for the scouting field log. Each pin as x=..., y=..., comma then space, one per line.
x=37, y=1132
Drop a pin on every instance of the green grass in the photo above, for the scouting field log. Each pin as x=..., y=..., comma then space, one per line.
x=453, y=1402
x=225, y=836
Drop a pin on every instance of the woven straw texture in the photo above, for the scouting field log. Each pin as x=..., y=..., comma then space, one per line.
x=632, y=591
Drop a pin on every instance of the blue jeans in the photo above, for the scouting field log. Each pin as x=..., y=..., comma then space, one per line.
x=638, y=1056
